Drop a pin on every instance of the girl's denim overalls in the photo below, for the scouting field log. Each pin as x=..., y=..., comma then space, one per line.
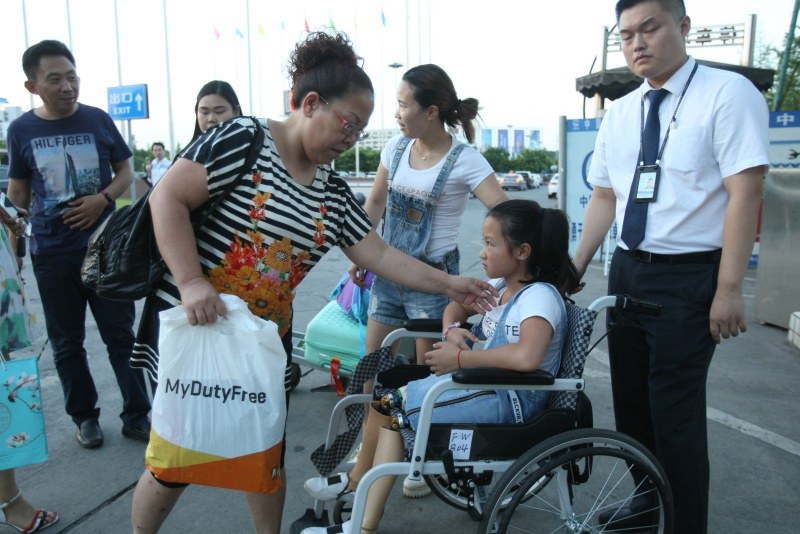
x=480, y=406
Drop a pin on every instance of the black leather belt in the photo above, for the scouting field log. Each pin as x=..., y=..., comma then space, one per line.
x=708, y=256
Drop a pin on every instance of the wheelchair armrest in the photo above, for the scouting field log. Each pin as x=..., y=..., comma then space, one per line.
x=400, y=375
x=424, y=325
x=490, y=375
x=428, y=325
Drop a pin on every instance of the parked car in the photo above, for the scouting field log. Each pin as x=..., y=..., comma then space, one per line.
x=537, y=179
x=530, y=183
x=552, y=187
x=4, y=177
x=511, y=181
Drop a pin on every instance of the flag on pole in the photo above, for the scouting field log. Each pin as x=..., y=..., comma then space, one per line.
x=331, y=24
x=3, y=100
x=306, y=22
x=216, y=33
x=261, y=31
x=283, y=25
x=383, y=17
x=239, y=33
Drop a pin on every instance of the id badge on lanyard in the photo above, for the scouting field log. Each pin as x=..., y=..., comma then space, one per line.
x=647, y=178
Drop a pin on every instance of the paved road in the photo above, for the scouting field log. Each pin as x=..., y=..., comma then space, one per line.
x=754, y=429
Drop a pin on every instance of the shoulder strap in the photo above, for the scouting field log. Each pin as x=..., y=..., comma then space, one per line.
x=252, y=156
x=444, y=173
x=398, y=153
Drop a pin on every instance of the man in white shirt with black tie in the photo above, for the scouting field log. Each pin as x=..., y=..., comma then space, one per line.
x=687, y=244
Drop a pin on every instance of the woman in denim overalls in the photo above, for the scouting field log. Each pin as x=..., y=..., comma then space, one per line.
x=423, y=185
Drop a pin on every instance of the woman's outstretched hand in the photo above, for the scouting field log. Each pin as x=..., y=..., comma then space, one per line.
x=473, y=292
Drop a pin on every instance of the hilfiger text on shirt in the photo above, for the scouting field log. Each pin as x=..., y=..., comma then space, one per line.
x=196, y=388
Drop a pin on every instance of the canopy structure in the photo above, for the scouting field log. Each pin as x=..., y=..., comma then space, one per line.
x=615, y=83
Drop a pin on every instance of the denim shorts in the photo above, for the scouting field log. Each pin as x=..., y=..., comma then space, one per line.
x=470, y=406
x=392, y=304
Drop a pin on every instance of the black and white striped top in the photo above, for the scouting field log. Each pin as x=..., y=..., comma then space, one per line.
x=270, y=231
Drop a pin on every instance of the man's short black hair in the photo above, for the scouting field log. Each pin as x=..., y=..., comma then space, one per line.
x=676, y=7
x=34, y=54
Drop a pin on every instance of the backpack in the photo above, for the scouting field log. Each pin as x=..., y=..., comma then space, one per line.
x=122, y=260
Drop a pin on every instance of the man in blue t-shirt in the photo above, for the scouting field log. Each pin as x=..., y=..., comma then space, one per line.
x=61, y=159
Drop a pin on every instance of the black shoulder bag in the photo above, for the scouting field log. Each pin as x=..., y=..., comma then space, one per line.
x=122, y=261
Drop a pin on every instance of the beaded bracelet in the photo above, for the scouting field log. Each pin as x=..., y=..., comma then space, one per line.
x=447, y=330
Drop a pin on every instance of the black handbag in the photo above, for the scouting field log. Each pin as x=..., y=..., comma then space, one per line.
x=122, y=260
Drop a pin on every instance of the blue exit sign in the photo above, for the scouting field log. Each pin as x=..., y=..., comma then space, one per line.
x=128, y=102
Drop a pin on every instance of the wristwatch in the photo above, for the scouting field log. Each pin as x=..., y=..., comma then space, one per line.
x=109, y=198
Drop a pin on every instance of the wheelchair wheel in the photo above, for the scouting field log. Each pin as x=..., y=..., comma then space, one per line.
x=457, y=498
x=342, y=511
x=591, y=475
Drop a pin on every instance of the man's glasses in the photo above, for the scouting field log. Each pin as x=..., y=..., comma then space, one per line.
x=349, y=129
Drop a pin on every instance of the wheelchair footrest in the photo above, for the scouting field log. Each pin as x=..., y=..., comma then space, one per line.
x=309, y=519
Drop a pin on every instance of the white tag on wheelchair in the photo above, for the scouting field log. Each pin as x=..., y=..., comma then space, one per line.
x=461, y=443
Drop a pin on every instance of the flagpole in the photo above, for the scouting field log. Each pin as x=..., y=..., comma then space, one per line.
x=69, y=26
x=27, y=45
x=249, y=60
x=119, y=61
x=173, y=152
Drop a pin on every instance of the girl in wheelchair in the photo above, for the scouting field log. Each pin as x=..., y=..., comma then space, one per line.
x=525, y=253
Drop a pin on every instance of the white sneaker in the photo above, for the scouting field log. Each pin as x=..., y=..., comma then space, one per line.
x=344, y=528
x=414, y=489
x=327, y=488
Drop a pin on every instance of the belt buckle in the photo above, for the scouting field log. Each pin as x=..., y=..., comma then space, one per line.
x=643, y=255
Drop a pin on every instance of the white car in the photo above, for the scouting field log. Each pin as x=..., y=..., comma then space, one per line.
x=552, y=187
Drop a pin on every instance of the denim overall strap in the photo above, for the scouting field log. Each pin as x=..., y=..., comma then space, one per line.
x=447, y=168
x=499, y=338
x=409, y=219
x=396, y=157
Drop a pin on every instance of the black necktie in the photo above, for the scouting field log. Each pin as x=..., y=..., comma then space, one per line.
x=636, y=212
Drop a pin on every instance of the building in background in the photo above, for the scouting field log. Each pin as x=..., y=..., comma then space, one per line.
x=513, y=139
x=378, y=138
x=7, y=114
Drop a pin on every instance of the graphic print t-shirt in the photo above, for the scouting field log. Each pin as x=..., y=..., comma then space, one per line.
x=268, y=233
x=65, y=159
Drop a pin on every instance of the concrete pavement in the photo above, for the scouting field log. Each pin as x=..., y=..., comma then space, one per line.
x=754, y=432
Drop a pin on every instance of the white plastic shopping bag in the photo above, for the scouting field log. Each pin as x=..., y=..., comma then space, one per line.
x=219, y=411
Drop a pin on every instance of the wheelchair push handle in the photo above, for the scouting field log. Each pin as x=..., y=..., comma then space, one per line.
x=635, y=305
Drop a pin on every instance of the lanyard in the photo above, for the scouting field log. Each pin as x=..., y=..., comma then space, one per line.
x=674, y=115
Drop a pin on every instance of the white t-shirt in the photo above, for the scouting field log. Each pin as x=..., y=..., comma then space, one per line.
x=721, y=129
x=470, y=169
x=539, y=300
x=158, y=169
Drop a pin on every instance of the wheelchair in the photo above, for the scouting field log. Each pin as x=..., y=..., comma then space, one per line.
x=555, y=473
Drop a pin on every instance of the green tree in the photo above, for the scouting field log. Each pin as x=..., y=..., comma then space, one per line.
x=538, y=161
x=771, y=58
x=498, y=159
x=368, y=160
x=140, y=158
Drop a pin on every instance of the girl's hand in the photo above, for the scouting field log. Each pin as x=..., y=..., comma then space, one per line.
x=357, y=275
x=460, y=338
x=442, y=359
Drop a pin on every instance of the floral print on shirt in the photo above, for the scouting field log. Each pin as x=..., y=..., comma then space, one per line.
x=265, y=274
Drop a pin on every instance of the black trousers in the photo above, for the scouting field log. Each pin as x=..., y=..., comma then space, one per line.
x=659, y=367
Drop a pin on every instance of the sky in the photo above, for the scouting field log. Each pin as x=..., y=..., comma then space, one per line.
x=519, y=58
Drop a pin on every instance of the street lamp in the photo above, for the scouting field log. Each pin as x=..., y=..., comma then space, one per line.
x=395, y=66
